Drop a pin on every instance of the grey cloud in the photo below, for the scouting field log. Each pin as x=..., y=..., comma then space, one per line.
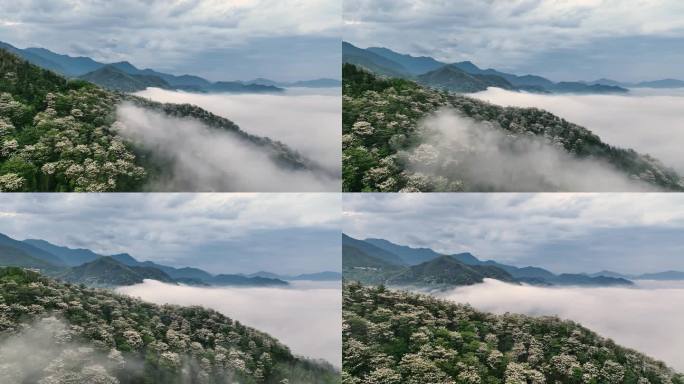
x=527, y=36
x=204, y=230
x=562, y=232
x=180, y=37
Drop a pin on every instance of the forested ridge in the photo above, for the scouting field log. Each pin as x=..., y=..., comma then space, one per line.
x=381, y=116
x=52, y=332
x=59, y=134
x=397, y=337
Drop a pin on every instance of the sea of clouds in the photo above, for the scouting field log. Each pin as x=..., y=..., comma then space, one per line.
x=307, y=120
x=486, y=158
x=646, y=317
x=647, y=120
x=306, y=316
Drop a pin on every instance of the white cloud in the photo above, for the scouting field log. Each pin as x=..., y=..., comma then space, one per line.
x=483, y=158
x=566, y=232
x=306, y=317
x=172, y=35
x=190, y=229
x=509, y=34
x=627, y=315
x=648, y=121
x=203, y=159
x=309, y=121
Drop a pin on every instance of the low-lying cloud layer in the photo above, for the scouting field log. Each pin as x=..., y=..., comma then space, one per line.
x=307, y=317
x=307, y=120
x=642, y=318
x=204, y=159
x=647, y=120
x=484, y=157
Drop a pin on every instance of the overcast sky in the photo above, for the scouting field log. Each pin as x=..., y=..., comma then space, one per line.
x=628, y=233
x=217, y=39
x=625, y=40
x=222, y=233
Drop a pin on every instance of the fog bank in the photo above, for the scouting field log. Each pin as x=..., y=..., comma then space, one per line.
x=647, y=120
x=205, y=159
x=307, y=120
x=646, y=318
x=485, y=157
x=307, y=317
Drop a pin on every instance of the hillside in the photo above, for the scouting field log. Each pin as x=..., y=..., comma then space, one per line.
x=436, y=273
x=316, y=276
x=107, y=272
x=357, y=265
x=238, y=87
x=382, y=136
x=13, y=257
x=69, y=256
x=445, y=271
x=240, y=280
x=450, y=78
x=372, y=250
x=97, y=336
x=31, y=251
x=425, y=268
x=372, y=61
x=465, y=76
x=111, y=77
x=59, y=135
x=394, y=337
x=81, y=66
x=83, y=266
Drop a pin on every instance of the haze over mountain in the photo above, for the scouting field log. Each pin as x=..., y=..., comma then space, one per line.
x=217, y=233
x=560, y=233
x=124, y=76
x=286, y=40
x=467, y=77
x=83, y=266
x=399, y=265
x=561, y=41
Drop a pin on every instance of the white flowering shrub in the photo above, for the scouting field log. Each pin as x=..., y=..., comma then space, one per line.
x=103, y=337
x=436, y=341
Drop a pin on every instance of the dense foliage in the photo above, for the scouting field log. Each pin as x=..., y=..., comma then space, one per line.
x=61, y=135
x=55, y=136
x=139, y=342
x=380, y=124
x=392, y=337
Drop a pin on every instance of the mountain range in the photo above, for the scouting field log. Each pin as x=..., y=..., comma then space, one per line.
x=83, y=266
x=466, y=77
x=125, y=77
x=379, y=261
